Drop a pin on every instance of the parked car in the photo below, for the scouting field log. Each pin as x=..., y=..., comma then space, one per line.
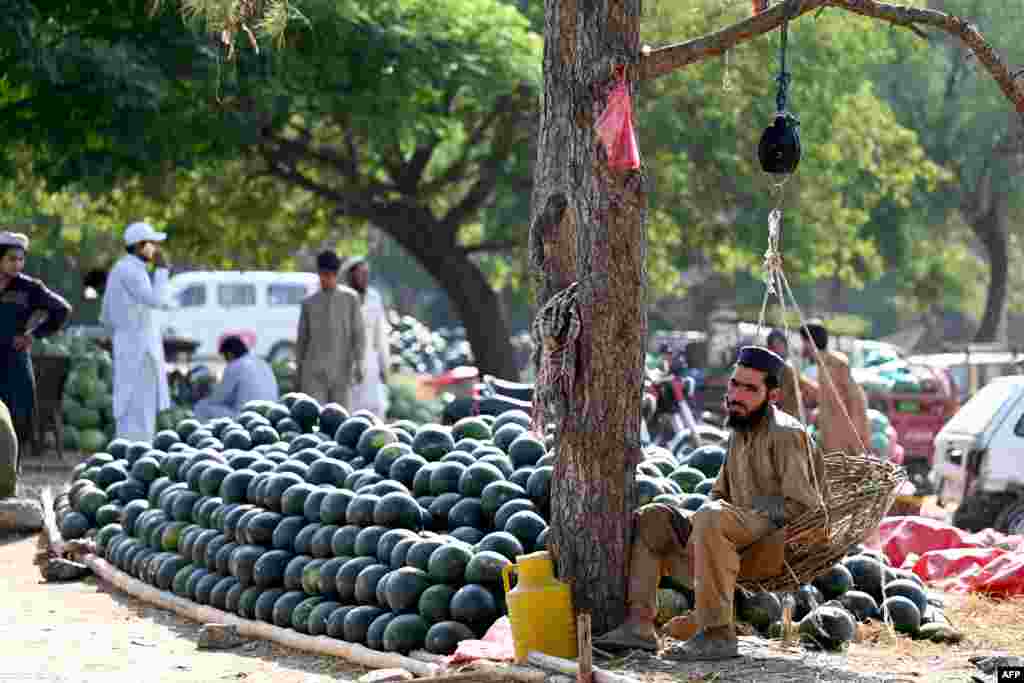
x=263, y=307
x=979, y=459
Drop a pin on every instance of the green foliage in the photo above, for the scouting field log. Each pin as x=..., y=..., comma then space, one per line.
x=702, y=136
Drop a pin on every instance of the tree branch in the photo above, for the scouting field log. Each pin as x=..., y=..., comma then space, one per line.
x=492, y=246
x=673, y=57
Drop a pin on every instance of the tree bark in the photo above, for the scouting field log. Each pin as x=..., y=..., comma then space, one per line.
x=993, y=235
x=588, y=227
x=473, y=298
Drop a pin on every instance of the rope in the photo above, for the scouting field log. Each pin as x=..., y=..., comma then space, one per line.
x=555, y=334
x=777, y=284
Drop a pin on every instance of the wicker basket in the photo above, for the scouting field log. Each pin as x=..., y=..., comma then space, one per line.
x=860, y=491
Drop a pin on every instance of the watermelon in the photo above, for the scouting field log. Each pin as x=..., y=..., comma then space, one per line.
x=350, y=431
x=294, y=572
x=758, y=609
x=447, y=563
x=910, y=590
x=345, y=580
x=368, y=540
x=526, y=450
x=868, y=574
x=472, y=428
x=468, y=512
x=434, y=603
x=328, y=471
x=398, y=510
x=433, y=442
x=404, y=633
x=497, y=494
x=475, y=606
x=286, y=532
x=502, y=543
x=467, y=534
x=485, y=568
x=526, y=526
x=319, y=617
x=400, y=552
x=829, y=627
x=476, y=477
x=708, y=459
x=833, y=583
x=375, y=634
x=443, y=637
x=861, y=605
x=301, y=612
x=357, y=622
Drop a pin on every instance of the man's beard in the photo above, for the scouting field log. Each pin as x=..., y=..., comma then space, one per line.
x=746, y=423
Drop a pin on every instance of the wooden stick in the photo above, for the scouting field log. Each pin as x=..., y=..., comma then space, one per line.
x=570, y=668
x=53, y=538
x=585, y=672
x=424, y=656
x=522, y=674
x=324, y=645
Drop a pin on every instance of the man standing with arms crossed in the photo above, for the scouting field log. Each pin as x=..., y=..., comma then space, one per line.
x=129, y=300
x=332, y=338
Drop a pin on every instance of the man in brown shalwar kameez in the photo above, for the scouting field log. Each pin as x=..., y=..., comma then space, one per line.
x=842, y=406
x=789, y=402
x=766, y=479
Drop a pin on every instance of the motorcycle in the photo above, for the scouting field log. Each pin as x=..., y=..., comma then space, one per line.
x=667, y=417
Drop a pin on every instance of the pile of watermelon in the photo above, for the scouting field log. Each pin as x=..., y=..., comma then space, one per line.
x=417, y=349
x=391, y=535
x=863, y=587
x=87, y=405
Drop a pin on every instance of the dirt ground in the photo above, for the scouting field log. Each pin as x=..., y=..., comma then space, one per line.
x=86, y=632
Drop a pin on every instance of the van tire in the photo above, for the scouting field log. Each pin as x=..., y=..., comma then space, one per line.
x=1011, y=519
x=282, y=350
x=981, y=510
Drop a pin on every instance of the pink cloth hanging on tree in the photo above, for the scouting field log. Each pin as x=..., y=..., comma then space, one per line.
x=615, y=128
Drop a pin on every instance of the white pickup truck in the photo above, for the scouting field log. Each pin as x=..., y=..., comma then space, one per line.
x=979, y=459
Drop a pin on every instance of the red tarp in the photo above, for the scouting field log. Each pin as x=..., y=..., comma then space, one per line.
x=955, y=560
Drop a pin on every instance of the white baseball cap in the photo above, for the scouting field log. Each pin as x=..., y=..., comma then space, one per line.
x=142, y=232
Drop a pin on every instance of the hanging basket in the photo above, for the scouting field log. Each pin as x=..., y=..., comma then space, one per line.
x=860, y=489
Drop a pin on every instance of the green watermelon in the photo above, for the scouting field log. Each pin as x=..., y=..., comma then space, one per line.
x=443, y=637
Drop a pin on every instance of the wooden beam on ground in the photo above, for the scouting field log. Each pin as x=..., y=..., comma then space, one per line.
x=324, y=645
x=571, y=668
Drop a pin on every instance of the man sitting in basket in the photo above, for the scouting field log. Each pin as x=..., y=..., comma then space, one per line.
x=766, y=480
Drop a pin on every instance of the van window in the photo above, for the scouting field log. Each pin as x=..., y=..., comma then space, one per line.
x=1019, y=429
x=285, y=295
x=976, y=414
x=231, y=296
x=192, y=296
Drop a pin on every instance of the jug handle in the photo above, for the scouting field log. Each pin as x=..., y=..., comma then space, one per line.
x=505, y=571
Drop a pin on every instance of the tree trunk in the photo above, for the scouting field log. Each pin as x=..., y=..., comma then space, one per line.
x=588, y=226
x=992, y=232
x=472, y=297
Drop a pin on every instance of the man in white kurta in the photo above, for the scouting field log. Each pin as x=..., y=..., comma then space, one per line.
x=372, y=393
x=130, y=301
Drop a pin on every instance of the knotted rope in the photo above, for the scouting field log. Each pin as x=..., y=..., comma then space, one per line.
x=555, y=335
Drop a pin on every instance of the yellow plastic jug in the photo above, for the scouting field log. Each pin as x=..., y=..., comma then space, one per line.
x=540, y=608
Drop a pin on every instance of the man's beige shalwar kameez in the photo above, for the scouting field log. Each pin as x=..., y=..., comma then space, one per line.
x=842, y=410
x=766, y=479
x=330, y=346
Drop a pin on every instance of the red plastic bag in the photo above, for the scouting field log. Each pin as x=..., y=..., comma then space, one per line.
x=497, y=645
x=615, y=128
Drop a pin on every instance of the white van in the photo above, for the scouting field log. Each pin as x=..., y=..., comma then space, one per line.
x=979, y=459
x=260, y=306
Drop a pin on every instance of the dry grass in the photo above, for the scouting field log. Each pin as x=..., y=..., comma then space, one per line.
x=987, y=623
